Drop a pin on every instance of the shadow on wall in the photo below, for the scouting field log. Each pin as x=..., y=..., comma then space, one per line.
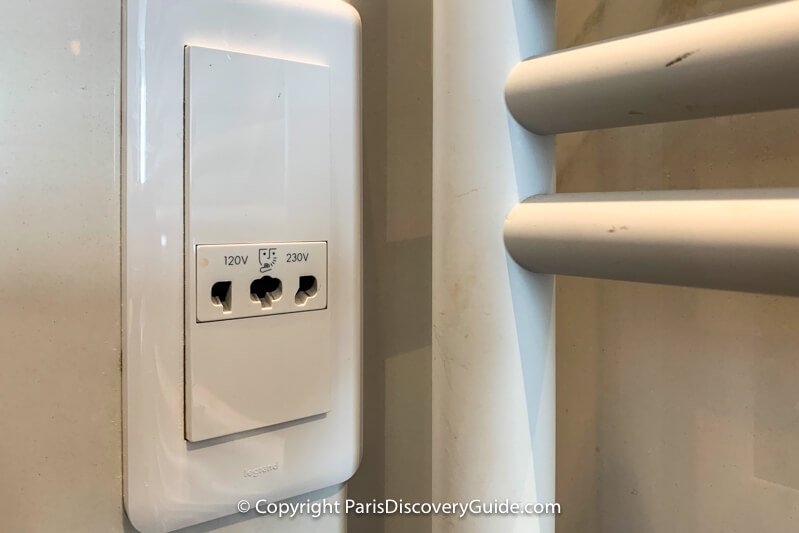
x=397, y=147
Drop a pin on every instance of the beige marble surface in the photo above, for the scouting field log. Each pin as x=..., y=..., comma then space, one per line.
x=678, y=409
x=60, y=399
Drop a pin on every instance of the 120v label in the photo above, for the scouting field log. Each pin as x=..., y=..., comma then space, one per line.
x=231, y=260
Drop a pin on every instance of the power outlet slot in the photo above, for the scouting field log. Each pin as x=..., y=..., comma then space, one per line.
x=221, y=295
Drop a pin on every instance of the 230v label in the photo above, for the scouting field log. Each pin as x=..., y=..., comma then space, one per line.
x=296, y=257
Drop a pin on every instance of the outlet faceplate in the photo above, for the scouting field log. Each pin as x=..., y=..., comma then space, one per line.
x=241, y=131
x=257, y=164
x=260, y=279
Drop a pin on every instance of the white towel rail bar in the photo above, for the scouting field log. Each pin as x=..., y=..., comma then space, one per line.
x=747, y=61
x=746, y=240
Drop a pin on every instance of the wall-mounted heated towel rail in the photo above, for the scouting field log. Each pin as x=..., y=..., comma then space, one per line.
x=744, y=240
x=744, y=62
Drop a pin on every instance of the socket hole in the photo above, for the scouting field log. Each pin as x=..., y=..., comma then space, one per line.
x=308, y=289
x=221, y=295
x=266, y=290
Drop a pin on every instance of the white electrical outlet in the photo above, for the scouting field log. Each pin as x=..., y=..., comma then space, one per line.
x=242, y=254
x=251, y=280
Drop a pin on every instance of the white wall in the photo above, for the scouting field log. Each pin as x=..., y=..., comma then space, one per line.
x=493, y=346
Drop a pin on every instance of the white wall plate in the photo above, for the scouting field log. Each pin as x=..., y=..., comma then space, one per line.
x=260, y=173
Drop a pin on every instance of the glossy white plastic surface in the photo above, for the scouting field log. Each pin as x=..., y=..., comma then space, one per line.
x=269, y=363
x=169, y=482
